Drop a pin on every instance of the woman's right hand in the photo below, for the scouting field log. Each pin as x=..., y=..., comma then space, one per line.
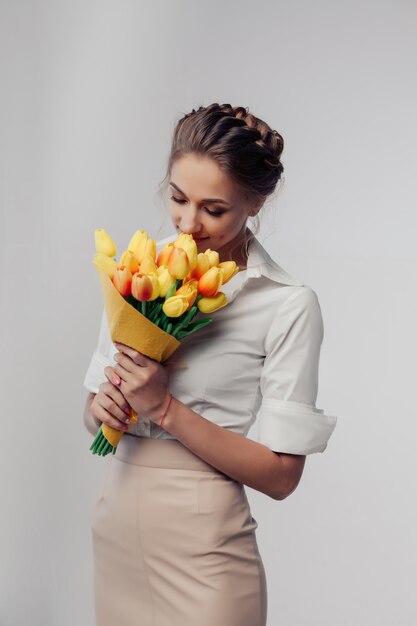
x=109, y=404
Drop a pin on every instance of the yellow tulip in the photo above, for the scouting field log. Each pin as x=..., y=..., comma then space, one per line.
x=128, y=259
x=213, y=256
x=209, y=305
x=148, y=266
x=165, y=280
x=230, y=269
x=165, y=253
x=104, y=243
x=178, y=263
x=155, y=285
x=136, y=240
x=210, y=282
x=175, y=306
x=146, y=247
x=106, y=263
x=142, y=288
x=189, y=290
x=203, y=265
x=122, y=280
x=187, y=243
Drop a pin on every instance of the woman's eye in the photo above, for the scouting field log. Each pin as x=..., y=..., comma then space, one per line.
x=213, y=213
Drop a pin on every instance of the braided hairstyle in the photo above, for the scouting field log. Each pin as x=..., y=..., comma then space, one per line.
x=243, y=146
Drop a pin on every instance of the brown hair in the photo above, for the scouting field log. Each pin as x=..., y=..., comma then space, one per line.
x=243, y=146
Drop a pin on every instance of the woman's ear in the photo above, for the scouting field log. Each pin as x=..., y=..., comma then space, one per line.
x=256, y=208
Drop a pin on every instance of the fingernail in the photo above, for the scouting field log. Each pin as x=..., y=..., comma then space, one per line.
x=127, y=411
x=115, y=380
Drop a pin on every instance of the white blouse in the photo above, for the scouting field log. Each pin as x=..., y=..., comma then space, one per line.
x=257, y=359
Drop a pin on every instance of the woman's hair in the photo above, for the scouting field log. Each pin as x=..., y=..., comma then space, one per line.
x=243, y=146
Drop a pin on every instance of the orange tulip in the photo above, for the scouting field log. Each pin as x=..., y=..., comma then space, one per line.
x=122, y=280
x=230, y=269
x=210, y=282
x=178, y=263
x=142, y=288
x=104, y=243
x=203, y=265
x=165, y=253
x=128, y=259
x=189, y=291
x=209, y=305
x=104, y=262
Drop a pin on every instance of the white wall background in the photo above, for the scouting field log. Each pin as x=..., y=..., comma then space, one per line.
x=90, y=93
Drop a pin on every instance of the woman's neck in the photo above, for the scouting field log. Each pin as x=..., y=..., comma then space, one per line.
x=238, y=249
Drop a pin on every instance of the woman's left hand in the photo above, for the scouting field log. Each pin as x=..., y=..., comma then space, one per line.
x=143, y=381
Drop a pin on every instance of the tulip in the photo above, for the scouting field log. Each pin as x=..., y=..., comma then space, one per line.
x=142, y=288
x=136, y=239
x=148, y=266
x=104, y=262
x=203, y=265
x=178, y=263
x=165, y=253
x=209, y=305
x=128, y=259
x=146, y=247
x=187, y=243
x=175, y=306
x=230, y=269
x=213, y=256
x=104, y=243
x=189, y=290
x=122, y=280
x=155, y=285
x=210, y=282
x=165, y=280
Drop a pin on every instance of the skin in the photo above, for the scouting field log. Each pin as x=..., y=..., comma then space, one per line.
x=141, y=383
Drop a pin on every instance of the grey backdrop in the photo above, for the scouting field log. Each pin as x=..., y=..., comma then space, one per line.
x=90, y=93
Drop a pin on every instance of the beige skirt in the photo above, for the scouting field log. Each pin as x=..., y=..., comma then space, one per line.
x=173, y=541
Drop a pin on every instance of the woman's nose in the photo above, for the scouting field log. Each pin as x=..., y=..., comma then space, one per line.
x=189, y=222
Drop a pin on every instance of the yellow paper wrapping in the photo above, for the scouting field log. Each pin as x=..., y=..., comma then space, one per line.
x=129, y=326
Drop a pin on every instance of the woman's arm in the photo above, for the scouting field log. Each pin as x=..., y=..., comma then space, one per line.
x=273, y=473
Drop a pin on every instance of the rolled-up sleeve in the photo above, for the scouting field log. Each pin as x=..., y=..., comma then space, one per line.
x=100, y=359
x=288, y=420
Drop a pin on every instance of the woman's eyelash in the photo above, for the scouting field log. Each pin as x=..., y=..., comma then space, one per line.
x=214, y=213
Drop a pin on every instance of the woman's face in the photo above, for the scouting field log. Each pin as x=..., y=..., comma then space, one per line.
x=217, y=225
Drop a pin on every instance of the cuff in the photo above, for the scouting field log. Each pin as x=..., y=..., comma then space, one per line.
x=294, y=427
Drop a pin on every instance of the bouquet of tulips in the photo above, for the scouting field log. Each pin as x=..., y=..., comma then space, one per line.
x=151, y=300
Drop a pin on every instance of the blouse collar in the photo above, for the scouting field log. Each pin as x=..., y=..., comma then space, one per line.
x=259, y=263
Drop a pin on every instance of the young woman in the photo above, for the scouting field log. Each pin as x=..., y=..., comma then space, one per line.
x=173, y=535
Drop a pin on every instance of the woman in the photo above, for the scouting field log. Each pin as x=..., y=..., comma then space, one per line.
x=173, y=536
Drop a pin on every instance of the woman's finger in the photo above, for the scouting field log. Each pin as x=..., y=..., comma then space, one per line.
x=102, y=414
x=113, y=392
x=137, y=357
